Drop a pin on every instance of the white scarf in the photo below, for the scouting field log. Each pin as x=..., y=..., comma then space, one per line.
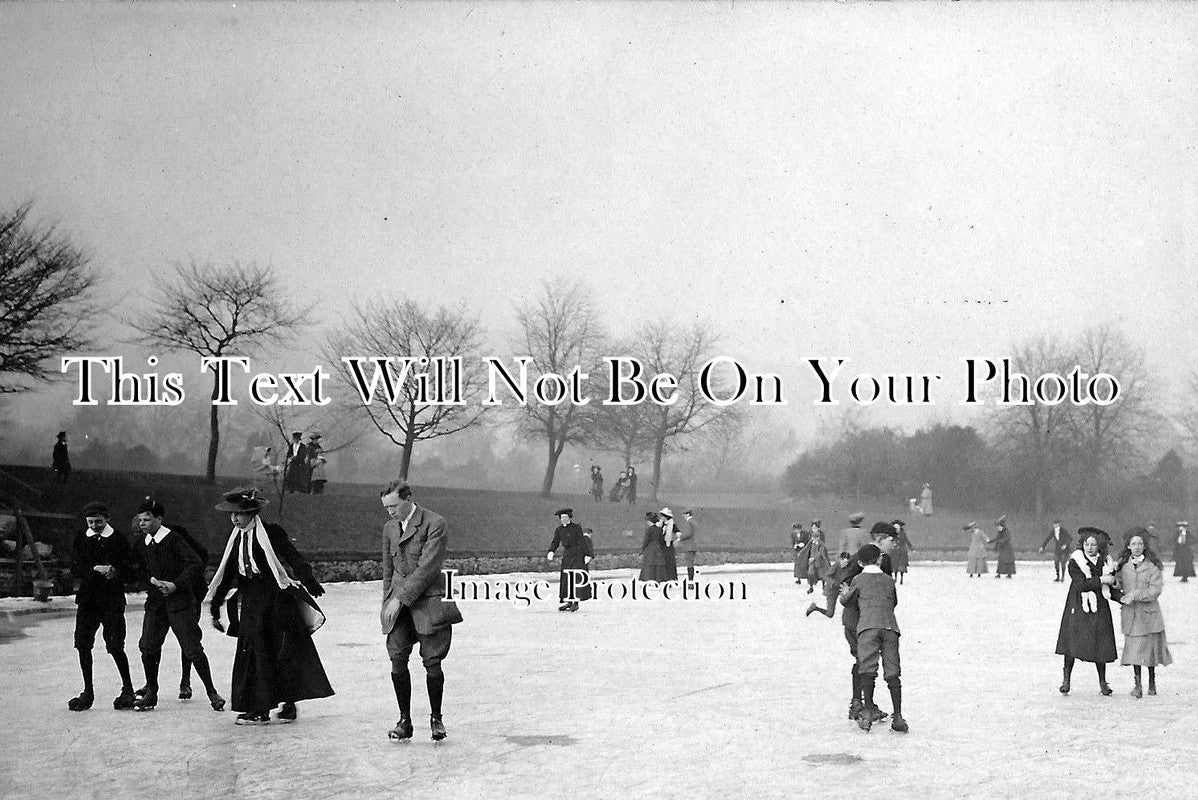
x=263, y=540
x=1089, y=597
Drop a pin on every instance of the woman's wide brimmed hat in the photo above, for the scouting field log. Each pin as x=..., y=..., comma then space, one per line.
x=242, y=501
x=1099, y=533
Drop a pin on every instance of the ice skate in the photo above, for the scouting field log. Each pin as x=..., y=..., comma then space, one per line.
x=146, y=700
x=184, y=691
x=898, y=724
x=249, y=718
x=288, y=713
x=438, y=728
x=865, y=720
x=402, y=730
x=218, y=702
x=1137, y=691
x=83, y=702
x=124, y=700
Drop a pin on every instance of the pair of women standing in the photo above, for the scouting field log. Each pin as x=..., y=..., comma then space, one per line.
x=1087, y=631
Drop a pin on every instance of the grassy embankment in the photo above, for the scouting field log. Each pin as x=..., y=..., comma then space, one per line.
x=346, y=521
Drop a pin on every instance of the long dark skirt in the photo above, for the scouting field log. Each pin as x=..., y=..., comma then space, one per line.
x=1183, y=558
x=276, y=661
x=1006, y=560
x=1087, y=636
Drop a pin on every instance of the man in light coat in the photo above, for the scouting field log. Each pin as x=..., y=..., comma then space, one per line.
x=414, y=609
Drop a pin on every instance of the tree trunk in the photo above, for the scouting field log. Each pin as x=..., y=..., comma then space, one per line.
x=213, y=432
x=550, y=469
x=658, y=450
x=405, y=462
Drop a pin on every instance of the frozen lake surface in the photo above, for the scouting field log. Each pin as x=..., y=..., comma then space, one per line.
x=636, y=699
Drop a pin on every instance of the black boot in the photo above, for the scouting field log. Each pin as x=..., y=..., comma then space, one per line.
x=897, y=723
x=1067, y=672
x=865, y=719
x=1152, y=681
x=1106, y=690
x=437, y=727
x=83, y=702
x=855, y=703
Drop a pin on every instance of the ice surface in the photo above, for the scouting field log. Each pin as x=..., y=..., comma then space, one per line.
x=636, y=699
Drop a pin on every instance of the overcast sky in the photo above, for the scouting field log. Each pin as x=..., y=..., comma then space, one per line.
x=903, y=185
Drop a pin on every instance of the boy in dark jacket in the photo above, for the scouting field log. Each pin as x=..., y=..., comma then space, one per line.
x=101, y=561
x=173, y=569
x=877, y=635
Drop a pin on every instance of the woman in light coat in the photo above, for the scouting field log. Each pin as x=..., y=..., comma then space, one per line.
x=1141, y=580
x=975, y=561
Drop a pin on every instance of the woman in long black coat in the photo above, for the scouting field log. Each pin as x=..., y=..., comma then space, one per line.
x=1183, y=554
x=268, y=588
x=576, y=554
x=654, y=559
x=1004, y=550
x=1087, y=631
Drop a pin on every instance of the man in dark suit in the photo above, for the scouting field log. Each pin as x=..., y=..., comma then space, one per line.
x=414, y=607
x=884, y=536
x=61, y=459
x=1060, y=540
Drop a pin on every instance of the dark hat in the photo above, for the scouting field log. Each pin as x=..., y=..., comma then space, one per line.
x=882, y=529
x=817, y=521
x=798, y=525
x=61, y=434
x=242, y=501
x=651, y=516
x=856, y=517
x=296, y=433
x=898, y=523
x=150, y=506
x=96, y=509
x=567, y=511
x=1130, y=532
x=1082, y=533
x=313, y=436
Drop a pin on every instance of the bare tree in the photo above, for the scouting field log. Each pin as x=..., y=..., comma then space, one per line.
x=213, y=311
x=559, y=330
x=681, y=352
x=335, y=424
x=392, y=338
x=1115, y=436
x=46, y=290
x=622, y=429
x=1036, y=437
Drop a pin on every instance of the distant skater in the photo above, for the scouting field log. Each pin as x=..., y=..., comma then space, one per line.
x=577, y=553
x=799, y=541
x=975, y=560
x=1003, y=548
x=1183, y=553
x=901, y=557
x=1060, y=542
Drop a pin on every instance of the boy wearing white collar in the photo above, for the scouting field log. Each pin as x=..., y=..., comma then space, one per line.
x=101, y=561
x=172, y=567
